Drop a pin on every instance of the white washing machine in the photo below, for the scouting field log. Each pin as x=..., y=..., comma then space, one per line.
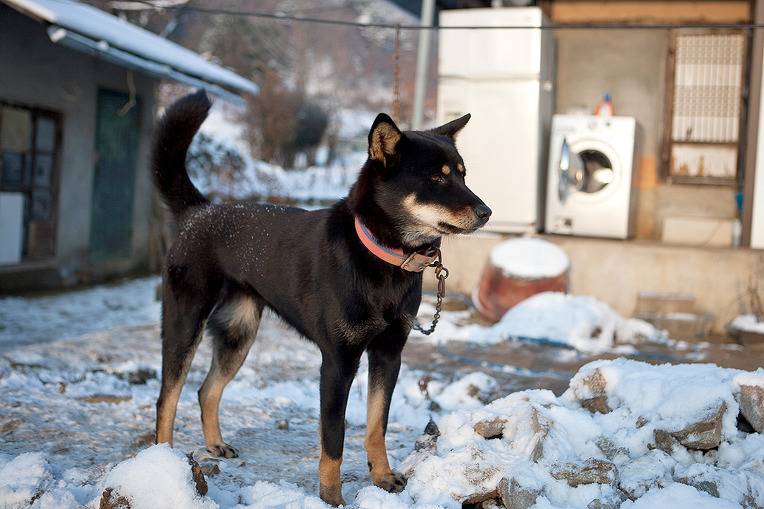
x=591, y=177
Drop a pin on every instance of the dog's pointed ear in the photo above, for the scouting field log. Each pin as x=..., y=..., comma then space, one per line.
x=451, y=129
x=383, y=139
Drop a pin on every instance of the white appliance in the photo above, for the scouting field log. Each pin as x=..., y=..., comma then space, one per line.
x=11, y=227
x=591, y=177
x=503, y=78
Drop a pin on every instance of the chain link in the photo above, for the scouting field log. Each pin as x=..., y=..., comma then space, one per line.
x=441, y=272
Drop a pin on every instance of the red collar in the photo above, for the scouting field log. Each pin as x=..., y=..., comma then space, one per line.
x=412, y=262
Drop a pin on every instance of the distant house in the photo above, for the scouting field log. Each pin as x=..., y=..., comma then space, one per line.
x=77, y=105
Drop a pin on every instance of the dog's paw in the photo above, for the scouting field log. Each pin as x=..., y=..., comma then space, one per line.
x=392, y=482
x=332, y=495
x=223, y=450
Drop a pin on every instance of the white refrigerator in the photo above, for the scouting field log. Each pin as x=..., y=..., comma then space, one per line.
x=503, y=77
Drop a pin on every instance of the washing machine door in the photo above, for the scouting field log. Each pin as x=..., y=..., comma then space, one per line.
x=570, y=166
x=585, y=169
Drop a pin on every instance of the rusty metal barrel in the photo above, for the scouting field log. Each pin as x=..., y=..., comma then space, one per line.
x=517, y=269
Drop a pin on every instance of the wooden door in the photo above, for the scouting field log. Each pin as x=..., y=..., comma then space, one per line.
x=116, y=144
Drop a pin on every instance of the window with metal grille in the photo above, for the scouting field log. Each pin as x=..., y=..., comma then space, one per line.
x=706, y=102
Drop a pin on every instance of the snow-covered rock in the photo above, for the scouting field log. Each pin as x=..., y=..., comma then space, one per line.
x=557, y=453
x=582, y=322
x=157, y=478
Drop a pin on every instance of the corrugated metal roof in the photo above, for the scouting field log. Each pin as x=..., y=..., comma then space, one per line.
x=119, y=40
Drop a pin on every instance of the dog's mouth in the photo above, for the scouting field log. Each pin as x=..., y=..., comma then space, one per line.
x=450, y=229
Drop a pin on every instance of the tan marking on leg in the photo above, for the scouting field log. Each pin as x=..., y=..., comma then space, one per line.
x=380, y=472
x=210, y=394
x=376, y=452
x=460, y=167
x=170, y=396
x=242, y=317
x=446, y=170
x=166, y=414
x=330, y=489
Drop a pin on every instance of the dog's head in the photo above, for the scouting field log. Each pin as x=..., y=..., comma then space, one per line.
x=418, y=180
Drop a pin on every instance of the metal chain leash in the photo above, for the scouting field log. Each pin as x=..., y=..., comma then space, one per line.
x=441, y=272
x=397, y=75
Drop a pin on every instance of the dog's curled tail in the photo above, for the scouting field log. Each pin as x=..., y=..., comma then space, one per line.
x=172, y=137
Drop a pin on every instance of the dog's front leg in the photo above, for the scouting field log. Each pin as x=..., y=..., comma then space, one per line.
x=337, y=372
x=384, y=364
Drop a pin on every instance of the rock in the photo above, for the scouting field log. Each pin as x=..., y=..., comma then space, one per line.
x=665, y=441
x=706, y=485
x=641, y=421
x=210, y=469
x=198, y=475
x=483, y=476
x=596, y=383
x=752, y=406
x=702, y=435
x=432, y=429
x=141, y=375
x=490, y=428
x=480, y=497
x=10, y=425
x=541, y=427
x=654, y=469
x=591, y=471
x=110, y=500
x=612, y=501
x=609, y=449
x=144, y=440
x=596, y=404
x=424, y=384
x=282, y=424
x=104, y=398
x=515, y=496
x=426, y=443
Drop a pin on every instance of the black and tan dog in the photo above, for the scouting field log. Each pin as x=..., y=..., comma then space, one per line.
x=335, y=275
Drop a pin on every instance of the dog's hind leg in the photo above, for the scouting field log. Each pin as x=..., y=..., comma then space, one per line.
x=184, y=311
x=337, y=372
x=233, y=326
x=384, y=353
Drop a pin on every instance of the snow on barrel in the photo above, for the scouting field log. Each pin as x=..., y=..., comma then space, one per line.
x=517, y=269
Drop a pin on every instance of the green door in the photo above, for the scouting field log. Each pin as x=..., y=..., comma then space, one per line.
x=116, y=144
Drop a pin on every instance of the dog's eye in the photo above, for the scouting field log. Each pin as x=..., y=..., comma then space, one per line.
x=438, y=178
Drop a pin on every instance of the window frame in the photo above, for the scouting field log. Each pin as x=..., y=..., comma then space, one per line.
x=667, y=141
x=57, y=118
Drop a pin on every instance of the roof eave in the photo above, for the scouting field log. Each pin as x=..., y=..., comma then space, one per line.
x=103, y=50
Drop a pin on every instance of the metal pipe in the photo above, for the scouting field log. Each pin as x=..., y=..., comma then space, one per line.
x=422, y=60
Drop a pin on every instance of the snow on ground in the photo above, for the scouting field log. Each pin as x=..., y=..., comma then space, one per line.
x=581, y=322
x=77, y=416
x=33, y=319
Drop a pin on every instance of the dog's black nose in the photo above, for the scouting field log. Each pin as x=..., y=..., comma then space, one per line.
x=482, y=211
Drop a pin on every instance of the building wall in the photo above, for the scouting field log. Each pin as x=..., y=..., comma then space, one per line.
x=631, y=66
x=37, y=72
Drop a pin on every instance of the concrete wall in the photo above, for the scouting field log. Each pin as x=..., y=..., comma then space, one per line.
x=36, y=72
x=631, y=65
x=616, y=271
